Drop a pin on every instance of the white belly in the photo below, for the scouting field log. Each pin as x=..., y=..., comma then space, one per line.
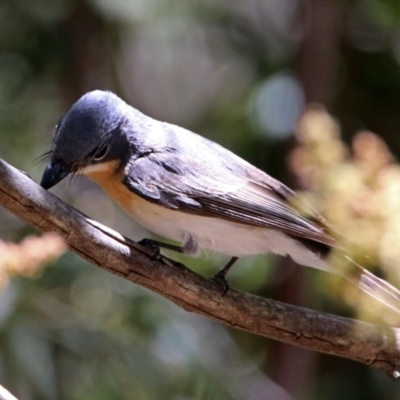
x=221, y=236
x=201, y=232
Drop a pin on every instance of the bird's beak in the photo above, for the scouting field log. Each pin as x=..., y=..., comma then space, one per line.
x=53, y=174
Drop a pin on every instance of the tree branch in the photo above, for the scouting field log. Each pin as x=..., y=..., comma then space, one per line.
x=376, y=346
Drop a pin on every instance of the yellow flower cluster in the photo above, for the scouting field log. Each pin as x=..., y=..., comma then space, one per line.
x=356, y=188
x=30, y=256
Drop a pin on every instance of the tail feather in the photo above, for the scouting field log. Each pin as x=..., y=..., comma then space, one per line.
x=373, y=286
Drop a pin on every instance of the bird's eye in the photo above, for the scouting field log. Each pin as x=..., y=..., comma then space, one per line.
x=101, y=153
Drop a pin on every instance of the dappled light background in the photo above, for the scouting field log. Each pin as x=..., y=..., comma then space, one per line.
x=241, y=73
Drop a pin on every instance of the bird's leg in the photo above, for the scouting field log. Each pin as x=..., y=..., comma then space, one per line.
x=155, y=245
x=220, y=277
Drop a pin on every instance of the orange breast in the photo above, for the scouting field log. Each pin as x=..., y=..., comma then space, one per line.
x=110, y=179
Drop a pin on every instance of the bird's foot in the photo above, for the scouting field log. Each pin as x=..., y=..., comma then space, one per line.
x=220, y=280
x=220, y=277
x=155, y=244
x=150, y=244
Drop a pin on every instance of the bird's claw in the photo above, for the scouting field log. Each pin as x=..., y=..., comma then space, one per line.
x=219, y=278
x=150, y=245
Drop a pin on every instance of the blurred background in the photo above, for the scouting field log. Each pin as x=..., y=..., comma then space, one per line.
x=238, y=72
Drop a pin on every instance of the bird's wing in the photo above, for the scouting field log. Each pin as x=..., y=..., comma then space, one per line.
x=234, y=191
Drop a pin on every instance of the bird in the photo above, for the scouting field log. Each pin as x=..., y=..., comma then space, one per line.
x=187, y=188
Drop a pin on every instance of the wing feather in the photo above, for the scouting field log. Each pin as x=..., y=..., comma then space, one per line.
x=249, y=197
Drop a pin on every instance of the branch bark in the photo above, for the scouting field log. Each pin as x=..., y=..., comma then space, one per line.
x=376, y=346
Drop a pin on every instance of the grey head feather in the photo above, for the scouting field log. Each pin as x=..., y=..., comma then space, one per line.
x=87, y=125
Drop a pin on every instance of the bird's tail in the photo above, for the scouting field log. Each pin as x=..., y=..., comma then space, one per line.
x=372, y=285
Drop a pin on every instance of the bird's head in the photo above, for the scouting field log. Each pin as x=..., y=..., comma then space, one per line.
x=89, y=135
